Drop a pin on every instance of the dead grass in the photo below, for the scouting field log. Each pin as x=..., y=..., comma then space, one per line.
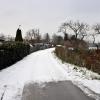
x=83, y=58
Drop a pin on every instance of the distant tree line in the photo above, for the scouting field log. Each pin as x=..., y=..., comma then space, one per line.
x=80, y=29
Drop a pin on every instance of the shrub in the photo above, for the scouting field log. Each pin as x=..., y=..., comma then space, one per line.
x=83, y=58
x=12, y=52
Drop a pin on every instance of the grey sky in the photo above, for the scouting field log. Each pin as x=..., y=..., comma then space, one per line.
x=45, y=14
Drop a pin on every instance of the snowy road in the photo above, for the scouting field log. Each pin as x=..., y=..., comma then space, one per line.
x=53, y=91
x=39, y=67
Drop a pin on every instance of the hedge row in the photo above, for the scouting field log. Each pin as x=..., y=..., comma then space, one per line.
x=83, y=58
x=12, y=52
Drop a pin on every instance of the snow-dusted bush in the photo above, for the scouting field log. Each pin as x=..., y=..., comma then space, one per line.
x=12, y=52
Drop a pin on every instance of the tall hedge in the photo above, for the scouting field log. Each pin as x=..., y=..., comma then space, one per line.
x=12, y=52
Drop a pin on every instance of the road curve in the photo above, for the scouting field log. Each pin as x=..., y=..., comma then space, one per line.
x=53, y=91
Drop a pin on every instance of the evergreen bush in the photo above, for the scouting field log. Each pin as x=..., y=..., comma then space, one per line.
x=12, y=52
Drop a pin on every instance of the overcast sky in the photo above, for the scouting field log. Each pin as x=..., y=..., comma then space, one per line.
x=47, y=15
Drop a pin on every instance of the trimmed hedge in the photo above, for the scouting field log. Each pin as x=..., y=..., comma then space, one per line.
x=12, y=52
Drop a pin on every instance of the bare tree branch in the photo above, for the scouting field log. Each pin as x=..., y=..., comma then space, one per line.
x=77, y=27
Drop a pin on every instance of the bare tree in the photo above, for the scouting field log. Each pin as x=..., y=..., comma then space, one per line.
x=77, y=27
x=2, y=37
x=30, y=35
x=37, y=35
x=82, y=35
x=97, y=28
x=10, y=38
x=63, y=28
x=33, y=34
x=46, y=38
x=96, y=31
x=93, y=36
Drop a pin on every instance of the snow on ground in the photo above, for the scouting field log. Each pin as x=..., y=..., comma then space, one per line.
x=88, y=81
x=43, y=66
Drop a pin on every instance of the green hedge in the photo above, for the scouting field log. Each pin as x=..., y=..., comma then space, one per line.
x=12, y=52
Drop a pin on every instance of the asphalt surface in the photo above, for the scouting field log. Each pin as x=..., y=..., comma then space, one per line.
x=53, y=91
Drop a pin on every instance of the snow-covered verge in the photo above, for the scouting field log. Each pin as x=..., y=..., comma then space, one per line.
x=40, y=67
x=86, y=80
